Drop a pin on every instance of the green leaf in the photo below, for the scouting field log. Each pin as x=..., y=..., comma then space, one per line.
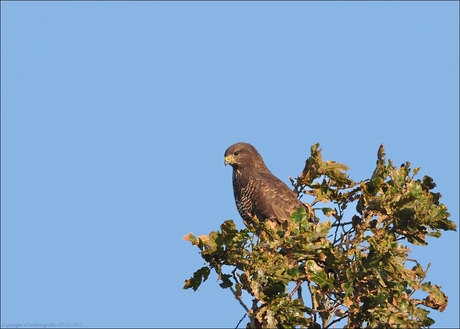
x=226, y=282
x=380, y=170
x=436, y=299
x=199, y=276
x=299, y=216
x=190, y=237
x=329, y=211
x=317, y=274
x=374, y=301
x=428, y=182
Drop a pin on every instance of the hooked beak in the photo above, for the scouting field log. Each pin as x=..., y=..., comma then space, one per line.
x=228, y=159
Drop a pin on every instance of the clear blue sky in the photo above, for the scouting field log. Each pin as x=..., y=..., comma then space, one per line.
x=116, y=115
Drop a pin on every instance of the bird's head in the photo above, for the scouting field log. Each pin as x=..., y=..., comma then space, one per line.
x=243, y=155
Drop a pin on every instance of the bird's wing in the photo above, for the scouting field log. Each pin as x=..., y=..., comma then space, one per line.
x=273, y=199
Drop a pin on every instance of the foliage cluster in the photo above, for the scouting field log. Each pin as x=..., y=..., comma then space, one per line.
x=354, y=267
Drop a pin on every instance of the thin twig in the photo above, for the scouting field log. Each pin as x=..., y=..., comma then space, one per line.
x=337, y=320
x=241, y=320
x=335, y=233
x=421, y=280
x=299, y=295
x=313, y=304
x=234, y=275
x=239, y=299
x=299, y=283
x=342, y=224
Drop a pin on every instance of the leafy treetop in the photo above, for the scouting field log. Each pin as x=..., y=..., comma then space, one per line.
x=355, y=267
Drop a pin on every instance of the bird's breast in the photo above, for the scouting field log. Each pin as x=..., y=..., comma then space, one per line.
x=243, y=190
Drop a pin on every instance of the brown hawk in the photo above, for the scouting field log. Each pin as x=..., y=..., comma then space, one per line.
x=258, y=193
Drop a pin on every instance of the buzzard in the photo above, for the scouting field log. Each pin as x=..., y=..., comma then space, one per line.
x=258, y=193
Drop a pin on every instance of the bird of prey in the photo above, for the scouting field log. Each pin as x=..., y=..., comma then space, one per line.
x=258, y=193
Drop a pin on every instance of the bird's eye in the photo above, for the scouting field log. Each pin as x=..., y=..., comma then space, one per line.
x=236, y=153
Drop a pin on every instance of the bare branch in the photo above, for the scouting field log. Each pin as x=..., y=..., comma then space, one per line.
x=299, y=295
x=298, y=286
x=337, y=320
x=241, y=320
x=239, y=299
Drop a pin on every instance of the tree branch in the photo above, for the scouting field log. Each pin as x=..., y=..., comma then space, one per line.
x=337, y=320
x=313, y=304
x=241, y=320
x=298, y=286
x=239, y=299
x=299, y=295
